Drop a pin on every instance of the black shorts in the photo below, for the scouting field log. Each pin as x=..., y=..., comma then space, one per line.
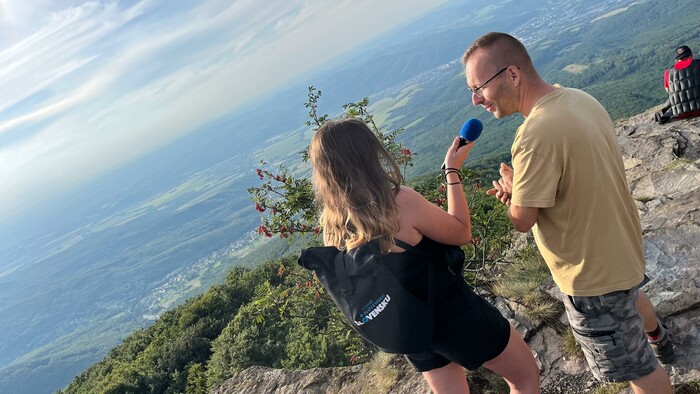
x=468, y=331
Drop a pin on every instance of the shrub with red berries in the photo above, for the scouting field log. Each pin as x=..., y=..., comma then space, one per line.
x=286, y=201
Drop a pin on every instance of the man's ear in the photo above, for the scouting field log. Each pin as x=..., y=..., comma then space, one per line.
x=515, y=75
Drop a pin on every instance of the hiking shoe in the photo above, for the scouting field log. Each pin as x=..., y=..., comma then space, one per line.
x=662, y=346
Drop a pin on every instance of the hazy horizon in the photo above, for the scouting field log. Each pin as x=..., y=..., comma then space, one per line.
x=90, y=86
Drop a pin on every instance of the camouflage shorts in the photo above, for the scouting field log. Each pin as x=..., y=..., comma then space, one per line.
x=611, y=334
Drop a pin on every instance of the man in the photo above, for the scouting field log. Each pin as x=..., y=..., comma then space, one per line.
x=568, y=184
x=682, y=82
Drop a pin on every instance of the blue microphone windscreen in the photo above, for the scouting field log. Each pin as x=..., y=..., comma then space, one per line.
x=471, y=129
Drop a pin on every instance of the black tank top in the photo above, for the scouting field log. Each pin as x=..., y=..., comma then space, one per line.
x=412, y=270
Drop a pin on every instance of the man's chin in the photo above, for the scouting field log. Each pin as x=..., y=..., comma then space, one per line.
x=498, y=114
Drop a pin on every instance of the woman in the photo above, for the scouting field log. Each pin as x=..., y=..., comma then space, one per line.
x=359, y=188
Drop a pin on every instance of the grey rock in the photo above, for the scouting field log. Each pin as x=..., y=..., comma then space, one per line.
x=397, y=377
x=663, y=167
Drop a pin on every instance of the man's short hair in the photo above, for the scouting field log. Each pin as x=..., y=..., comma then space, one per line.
x=511, y=50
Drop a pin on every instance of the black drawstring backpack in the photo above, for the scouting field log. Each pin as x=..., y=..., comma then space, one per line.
x=372, y=299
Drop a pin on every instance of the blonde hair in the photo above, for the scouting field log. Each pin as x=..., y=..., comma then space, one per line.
x=355, y=181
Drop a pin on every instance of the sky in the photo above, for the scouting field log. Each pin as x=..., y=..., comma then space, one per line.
x=87, y=86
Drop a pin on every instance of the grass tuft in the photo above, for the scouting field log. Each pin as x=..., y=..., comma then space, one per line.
x=692, y=387
x=384, y=370
x=677, y=163
x=611, y=388
x=546, y=310
x=569, y=346
x=521, y=281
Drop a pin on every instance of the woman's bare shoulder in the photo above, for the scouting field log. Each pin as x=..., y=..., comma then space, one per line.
x=410, y=201
x=407, y=196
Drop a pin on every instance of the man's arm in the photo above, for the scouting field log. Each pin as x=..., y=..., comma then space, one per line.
x=523, y=218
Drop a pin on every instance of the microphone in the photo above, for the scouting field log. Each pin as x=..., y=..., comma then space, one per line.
x=471, y=130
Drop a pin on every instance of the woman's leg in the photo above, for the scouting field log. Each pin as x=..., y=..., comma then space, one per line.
x=447, y=380
x=517, y=366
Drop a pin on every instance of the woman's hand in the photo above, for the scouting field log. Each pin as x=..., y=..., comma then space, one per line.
x=456, y=155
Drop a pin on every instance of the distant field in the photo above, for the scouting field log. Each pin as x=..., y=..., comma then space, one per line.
x=382, y=109
x=575, y=68
x=611, y=13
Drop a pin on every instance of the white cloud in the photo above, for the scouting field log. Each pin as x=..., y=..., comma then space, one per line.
x=111, y=83
x=39, y=59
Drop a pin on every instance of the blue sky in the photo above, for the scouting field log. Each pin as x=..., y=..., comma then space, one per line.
x=89, y=85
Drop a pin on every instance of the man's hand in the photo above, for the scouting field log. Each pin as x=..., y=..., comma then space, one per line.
x=523, y=218
x=503, y=188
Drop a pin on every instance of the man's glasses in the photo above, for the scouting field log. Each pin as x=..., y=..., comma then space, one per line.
x=478, y=91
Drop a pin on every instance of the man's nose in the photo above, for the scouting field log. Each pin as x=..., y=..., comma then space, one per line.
x=476, y=99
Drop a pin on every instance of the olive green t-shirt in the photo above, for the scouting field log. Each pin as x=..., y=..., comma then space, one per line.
x=567, y=163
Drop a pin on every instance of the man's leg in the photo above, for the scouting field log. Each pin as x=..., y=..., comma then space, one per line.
x=667, y=105
x=656, y=333
x=646, y=309
x=610, y=330
x=664, y=114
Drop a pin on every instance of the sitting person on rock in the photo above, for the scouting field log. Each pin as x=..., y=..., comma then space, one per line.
x=682, y=82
